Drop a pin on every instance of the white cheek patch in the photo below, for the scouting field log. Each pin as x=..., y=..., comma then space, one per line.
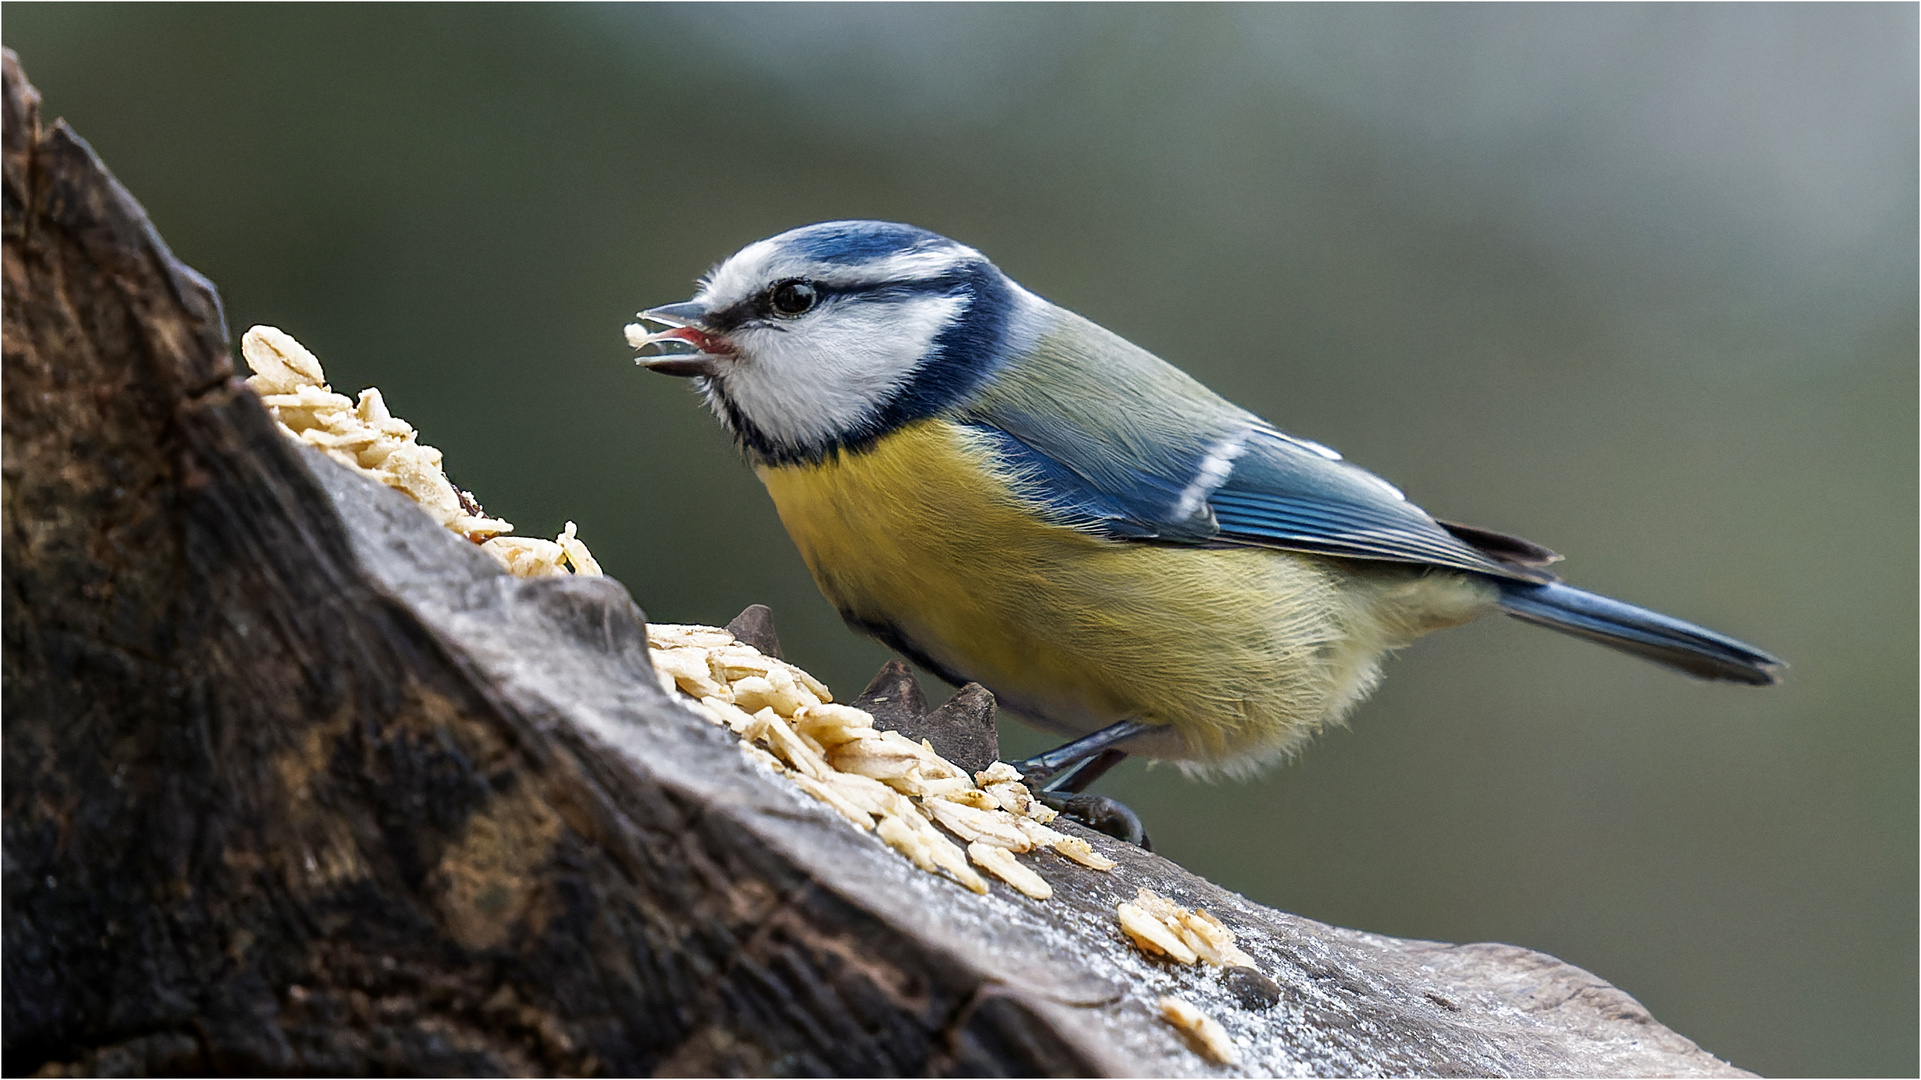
x=806, y=382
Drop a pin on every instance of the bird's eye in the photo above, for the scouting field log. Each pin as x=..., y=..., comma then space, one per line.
x=794, y=297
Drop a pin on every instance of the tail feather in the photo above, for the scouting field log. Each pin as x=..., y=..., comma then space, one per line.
x=1647, y=634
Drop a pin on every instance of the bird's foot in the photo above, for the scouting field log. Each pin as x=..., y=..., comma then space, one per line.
x=1102, y=814
x=962, y=731
x=1060, y=777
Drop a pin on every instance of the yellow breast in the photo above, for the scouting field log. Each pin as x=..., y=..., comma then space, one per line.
x=1241, y=652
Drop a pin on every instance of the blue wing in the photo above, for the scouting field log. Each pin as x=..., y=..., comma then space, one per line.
x=1107, y=437
x=1254, y=487
x=1282, y=494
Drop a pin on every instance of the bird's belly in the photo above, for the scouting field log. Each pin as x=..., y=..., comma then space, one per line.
x=1241, y=652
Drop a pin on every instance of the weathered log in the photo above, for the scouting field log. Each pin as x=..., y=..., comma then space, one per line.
x=297, y=781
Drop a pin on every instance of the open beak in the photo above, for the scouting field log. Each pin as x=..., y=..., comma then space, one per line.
x=684, y=331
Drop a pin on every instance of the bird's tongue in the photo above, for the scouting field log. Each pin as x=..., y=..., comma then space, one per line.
x=699, y=339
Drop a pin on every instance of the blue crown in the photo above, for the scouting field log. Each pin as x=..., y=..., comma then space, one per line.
x=854, y=242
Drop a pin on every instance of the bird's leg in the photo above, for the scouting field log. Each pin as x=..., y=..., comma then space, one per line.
x=1059, y=768
x=1062, y=774
x=1078, y=777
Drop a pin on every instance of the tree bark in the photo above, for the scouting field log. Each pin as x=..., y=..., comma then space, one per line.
x=297, y=781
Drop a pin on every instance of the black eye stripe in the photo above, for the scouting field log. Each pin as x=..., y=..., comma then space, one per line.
x=756, y=310
x=881, y=289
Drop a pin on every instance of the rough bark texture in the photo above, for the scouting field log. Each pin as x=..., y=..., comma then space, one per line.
x=296, y=781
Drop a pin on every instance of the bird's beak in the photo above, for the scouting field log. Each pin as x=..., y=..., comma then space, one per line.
x=685, y=326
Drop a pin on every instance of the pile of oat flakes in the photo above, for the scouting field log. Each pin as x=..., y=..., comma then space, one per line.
x=879, y=780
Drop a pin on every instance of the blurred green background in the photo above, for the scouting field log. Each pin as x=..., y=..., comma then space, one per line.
x=1638, y=283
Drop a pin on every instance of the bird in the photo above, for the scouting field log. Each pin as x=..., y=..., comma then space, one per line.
x=1007, y=493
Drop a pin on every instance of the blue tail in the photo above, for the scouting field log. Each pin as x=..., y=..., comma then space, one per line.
x=1651, y=635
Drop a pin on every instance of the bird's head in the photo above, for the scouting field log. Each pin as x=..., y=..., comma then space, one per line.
x=829, y=336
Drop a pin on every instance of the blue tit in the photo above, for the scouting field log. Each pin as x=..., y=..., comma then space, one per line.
x=1008, y=494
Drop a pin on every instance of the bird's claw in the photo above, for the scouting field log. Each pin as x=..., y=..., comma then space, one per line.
x=1102, y=814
